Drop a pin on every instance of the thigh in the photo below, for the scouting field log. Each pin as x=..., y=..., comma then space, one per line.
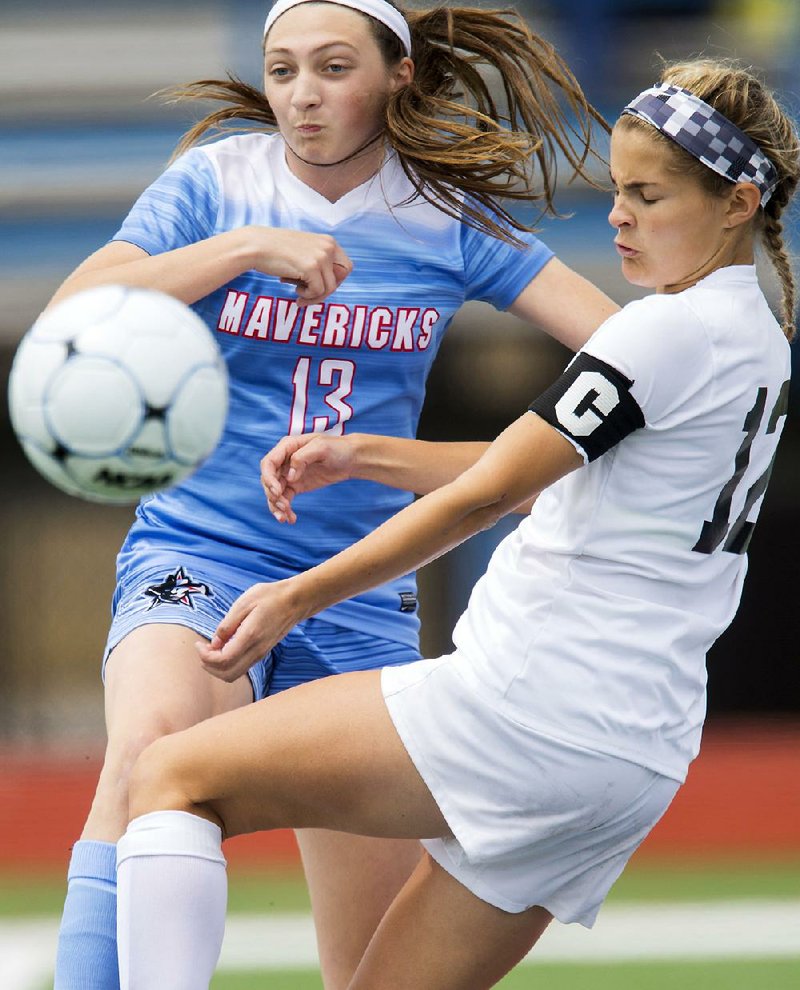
x=171, y=589
x=352, y=880
x=439, y=936
x=322, y=755
x=155, y=685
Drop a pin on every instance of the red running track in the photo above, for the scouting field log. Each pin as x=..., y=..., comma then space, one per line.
x=742, y=799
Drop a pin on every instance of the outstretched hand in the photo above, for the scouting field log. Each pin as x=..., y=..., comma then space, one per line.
x=255, y=622
x=303, y=463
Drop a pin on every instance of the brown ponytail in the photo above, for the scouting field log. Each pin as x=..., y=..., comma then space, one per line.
x=450, y=145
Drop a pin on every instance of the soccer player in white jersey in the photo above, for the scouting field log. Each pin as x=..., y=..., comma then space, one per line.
x=378, y=195
x=534, y=759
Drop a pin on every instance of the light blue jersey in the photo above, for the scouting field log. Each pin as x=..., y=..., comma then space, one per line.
x=356, y=362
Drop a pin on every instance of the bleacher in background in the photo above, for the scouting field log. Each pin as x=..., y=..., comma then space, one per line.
x=80, y=136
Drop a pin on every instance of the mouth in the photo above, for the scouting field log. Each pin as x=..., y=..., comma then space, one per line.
x=624, y=250
x=308, y=128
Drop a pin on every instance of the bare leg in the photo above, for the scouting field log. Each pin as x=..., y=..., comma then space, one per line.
x=154, y=686
x=322, y=755
x=352, y=880
x=439, y=936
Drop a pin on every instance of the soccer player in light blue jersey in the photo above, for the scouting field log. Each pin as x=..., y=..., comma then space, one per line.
x=327, y=247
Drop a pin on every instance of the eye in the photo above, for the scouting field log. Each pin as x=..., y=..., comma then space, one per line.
x=278, y=71
x=336, y=68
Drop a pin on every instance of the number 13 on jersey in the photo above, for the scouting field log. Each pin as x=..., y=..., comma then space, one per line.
x=335, y=375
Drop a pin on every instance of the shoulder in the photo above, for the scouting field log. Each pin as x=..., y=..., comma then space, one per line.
x=253, y=147
x=651, y=329
x=654, y=310
x=664, y=350
x=481, y=248
x=241, y=167
x=722, y=320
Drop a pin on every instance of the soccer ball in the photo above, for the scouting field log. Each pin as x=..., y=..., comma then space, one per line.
x=118, y=392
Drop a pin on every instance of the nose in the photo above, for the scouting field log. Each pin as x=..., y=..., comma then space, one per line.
x=305, y=92
x=619, y=215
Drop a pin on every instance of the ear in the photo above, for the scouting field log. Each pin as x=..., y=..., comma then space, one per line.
x=402, y=74
x=744, y=200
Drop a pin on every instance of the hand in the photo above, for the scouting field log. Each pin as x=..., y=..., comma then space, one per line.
x=256, y=621
x=302, y=464
x=314, y=263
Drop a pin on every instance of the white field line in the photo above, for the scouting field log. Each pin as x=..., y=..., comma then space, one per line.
x=711, y=930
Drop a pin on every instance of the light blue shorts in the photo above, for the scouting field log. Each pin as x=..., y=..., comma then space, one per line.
x=186, y=591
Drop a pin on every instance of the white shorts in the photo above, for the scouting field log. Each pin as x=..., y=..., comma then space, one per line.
x=535, y=820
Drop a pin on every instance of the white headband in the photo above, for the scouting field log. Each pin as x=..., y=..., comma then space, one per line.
x=379, y=9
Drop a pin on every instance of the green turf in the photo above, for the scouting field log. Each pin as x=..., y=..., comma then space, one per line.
x=279, y=979
x=750, y=974
x=667, y=881
x=675, y=881
x=26, y=895
x=687, y=880
x=265, y=893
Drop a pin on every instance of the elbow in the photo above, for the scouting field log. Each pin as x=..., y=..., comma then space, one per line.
x=489, y=515
x=507, y=503
x=485, y=499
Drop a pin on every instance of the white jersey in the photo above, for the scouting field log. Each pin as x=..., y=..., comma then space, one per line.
x=593, y=620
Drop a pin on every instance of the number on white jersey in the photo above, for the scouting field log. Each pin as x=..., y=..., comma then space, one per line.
x=718, y=528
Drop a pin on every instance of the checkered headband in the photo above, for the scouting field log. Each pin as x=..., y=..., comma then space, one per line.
x=706, y=134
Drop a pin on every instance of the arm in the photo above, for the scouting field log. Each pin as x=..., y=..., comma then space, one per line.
x=563, y=304
x=305, y=463
x=314, y=262
x=527, y=457
x=419, y=466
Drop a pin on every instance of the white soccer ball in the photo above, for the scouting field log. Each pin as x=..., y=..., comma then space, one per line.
x=118, y=392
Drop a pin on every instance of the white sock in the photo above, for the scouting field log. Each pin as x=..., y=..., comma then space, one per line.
x=171, y=898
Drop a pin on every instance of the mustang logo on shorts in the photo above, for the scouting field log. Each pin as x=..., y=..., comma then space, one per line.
x=176, y=589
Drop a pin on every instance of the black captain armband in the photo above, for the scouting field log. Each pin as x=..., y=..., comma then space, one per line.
x=591, y=403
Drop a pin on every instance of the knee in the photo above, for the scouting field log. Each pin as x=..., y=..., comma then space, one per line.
x=128, y=742
x=159, y=780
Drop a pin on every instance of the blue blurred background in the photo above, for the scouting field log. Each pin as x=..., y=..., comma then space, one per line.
x=80, y=138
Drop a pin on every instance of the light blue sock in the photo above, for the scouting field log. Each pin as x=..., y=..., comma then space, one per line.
x=87, y=941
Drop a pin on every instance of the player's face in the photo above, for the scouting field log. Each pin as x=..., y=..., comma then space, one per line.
x=670, y=231
x=327, y=83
